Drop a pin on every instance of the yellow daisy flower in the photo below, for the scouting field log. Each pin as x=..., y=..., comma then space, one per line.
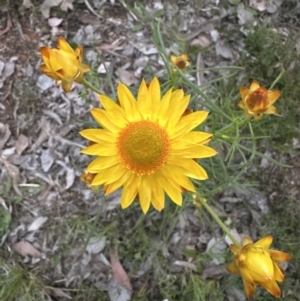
x=147, y=146
x=258, y=265
x=63, y=64
x=257, y=100
x=180, y=61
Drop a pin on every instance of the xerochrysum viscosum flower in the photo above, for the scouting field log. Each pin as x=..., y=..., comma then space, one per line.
x=147, y=146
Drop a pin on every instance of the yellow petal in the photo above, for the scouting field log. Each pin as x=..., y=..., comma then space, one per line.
x=273, y=96
x=178, y=109
x=102, y=163
x=144, y=101
x=279, y=256
x=247, y=240
x=109, y=175
x=188, y=123
x=45, y=52
x=265, y=242
x=278, y=275
x=67, y=85
x=272, y=287
x=176, y=96
x=194, y=152
x=64, y=45
x=271, y=110
x=235, y=248
x=127, y=177
x=64, y=64
x=190, y=138
x=110, y=105
x=143, y=91
x=173, y=192
x=241, y=104
x=184, y=56
x=254, y=86
x=249, y=288
x=233, y=269
x=104, y=119
x=163, y=111
x=100, y=150
x=79, y=53
x=128, y=103
x=98, y=135
x=176, y=174
x=144, y=192
x=244, y=92
x=85, y=68
x=130, y=191
x=190, y=168
x=173, y=58
x=154, y=90
x=158, y=195
x=257, y=117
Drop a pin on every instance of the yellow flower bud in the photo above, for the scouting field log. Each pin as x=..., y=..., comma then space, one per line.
x=63, y=64
x=180, y=61
x=258, y=265
x=257, y=100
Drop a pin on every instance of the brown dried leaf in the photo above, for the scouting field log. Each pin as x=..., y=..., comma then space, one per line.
x=213, y=272
x=66, y=5
x=14, y=173
x=24, y=248
x=27, y=4
x=4, y=134
x=21, y=144
x=126, y=77
x=118, y=272
x=258, y=4
x=42, y=137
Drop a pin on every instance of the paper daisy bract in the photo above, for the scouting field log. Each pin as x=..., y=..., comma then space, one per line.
x=64, y=64
x=147, y=146
x=258, y=265
x=257, y=100
x=180, y=61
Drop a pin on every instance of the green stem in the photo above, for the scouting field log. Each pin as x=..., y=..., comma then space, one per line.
x=217, y=219
x=277, y=79
x=89, y=85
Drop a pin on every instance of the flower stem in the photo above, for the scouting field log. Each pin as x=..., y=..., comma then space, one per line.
x=89, y=85
x=218, y=220
x=277, y=79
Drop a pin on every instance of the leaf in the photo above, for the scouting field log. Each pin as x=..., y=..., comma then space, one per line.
x=27, y=4
x=24, y=248
x=4, y=134
x=46, y=5
x=66, y=5
x=21, y=144
x=258, y=4
x=96, y=245
x=14, y=173
x=37, y=223
x=5, y=219
x=118, y=272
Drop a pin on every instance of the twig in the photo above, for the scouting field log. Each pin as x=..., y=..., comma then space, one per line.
x=8, y=26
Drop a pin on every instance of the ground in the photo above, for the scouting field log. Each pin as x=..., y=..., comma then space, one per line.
x=61, y=241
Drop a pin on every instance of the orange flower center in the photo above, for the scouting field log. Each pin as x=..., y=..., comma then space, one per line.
x=257, y=101
x=180, y=63
x=143, y=146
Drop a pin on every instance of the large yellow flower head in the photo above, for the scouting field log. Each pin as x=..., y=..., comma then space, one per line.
x=258, y=265
x=64, y=64
x=147, y=146
x=257, y=100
